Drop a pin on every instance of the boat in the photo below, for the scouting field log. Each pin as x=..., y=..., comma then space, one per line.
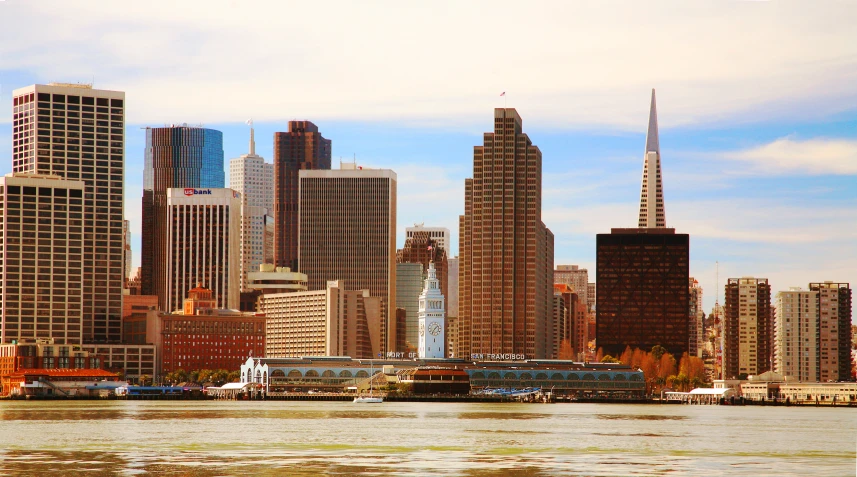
x=370, y=398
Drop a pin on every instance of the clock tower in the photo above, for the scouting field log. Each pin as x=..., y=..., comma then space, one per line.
x=432, y=318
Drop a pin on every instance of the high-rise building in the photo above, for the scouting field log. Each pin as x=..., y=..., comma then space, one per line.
x=253, y=178
x=452, y=308
x=506, y=252
x=834, y=331
x=78, y=133
x=695, y=316
x=652, y=192
x=40, y=286
x=409, y=285
x=642, y=292
x=576, y=277
x=432, y=318
x=126, y=250
x=328, y=322
x=590, y=297
x=438, y=235
x=347, y=231
x=176, y=156
x=642, y=274
x=302, y=148
x=796, y=330
x=203, y=245
x=746, y=327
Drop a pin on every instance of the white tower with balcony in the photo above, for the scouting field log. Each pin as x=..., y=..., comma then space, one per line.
x=432, y=318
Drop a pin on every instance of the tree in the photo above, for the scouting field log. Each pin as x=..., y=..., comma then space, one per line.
x=658, y=351
x=565, y=350
x=609, y=359
x=599, y=354
x=627, y=356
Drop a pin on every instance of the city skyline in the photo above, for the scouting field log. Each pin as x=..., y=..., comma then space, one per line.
x=756, y=127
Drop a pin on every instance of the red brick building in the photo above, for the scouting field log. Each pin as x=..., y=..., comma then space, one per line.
x=204, y=337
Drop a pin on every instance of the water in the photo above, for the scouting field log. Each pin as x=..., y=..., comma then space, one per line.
x=343, y=438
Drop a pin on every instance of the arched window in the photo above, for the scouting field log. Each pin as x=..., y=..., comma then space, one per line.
x=328, y=374
x=557, y=376
x=362, y=374
x=295, y=374
x=510, y=376
x=345, y=373
x=311, y=373
x=478, y=375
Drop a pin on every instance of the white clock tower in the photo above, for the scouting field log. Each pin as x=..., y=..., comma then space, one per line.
x=432, y=318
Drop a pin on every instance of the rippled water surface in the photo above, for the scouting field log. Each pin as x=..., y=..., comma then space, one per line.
x=338, y=438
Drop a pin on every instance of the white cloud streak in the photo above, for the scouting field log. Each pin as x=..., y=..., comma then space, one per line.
x=788, y=155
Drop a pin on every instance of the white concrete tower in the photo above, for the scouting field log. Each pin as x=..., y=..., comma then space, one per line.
x=253, y=178
x=652, y=198
x=432, y=318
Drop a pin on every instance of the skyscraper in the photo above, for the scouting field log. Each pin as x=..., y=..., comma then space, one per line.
x=575, y=276
x=652, y=198
x=302, y=148
x=834, y=330
x=506, y=252
x=695, y=315
x=747, y=326
x=202, y=245
x=796, y=331
x=253, y=178
x=347, y=231
x=40, y=287
x=642, y=294
x=423, y=246
x=175, y=157
x=438, y=235
x=78, y=133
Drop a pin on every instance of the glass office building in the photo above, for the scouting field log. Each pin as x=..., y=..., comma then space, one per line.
x=176, y=156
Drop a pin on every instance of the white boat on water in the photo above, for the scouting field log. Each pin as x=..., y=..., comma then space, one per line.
x=370, y=398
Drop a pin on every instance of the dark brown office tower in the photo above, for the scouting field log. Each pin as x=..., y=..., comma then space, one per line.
x=746, y=327
x=302, y=148
x=78, y=133
x=641, y=290
x=506, y=252
x=833, y=330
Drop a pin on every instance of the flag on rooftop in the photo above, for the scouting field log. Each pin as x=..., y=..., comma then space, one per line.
x=503, y=93
x=249, y=122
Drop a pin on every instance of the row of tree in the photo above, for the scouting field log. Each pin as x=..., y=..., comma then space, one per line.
x=216, y=377
x=661, y=369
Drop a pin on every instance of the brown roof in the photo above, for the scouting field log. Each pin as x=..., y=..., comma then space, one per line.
x=83, y=373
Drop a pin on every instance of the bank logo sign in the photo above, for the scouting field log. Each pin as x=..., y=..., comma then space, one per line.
x=189, y=192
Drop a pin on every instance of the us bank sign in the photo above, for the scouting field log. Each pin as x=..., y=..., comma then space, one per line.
x=189, y=192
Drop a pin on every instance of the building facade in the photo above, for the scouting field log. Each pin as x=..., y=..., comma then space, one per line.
x=176, y=156
x=347, y=231
x=203, y=244
x=506, y=252
x=746, y=327
x=329, y=322
x=439, y=235
x=409, y=285
x=253, y=178
x=41, y=239
x=301, y=148
x=78, y=133
x=432, y=318
x=834, y=326
x=695, y=316
x=642, y=292
x=796, y=334
x=574, y=276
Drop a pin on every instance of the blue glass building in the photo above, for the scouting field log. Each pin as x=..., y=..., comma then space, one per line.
x=175, y=157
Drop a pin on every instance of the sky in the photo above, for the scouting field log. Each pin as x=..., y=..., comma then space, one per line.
x=757, y=106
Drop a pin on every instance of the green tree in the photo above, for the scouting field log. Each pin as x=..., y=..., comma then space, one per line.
x=658, y=351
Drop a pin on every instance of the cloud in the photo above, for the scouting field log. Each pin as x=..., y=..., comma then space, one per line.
x=812, y=156
x=568, y=64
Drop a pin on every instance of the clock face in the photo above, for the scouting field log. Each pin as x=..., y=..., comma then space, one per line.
x=422, y=329
x=434, y=329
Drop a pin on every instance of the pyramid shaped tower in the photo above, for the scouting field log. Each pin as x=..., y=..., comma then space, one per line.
x=652, y=193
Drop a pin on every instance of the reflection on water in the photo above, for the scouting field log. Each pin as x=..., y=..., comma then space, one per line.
x=334, y=438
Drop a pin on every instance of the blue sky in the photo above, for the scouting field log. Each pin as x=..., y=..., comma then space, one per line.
x=757, y=104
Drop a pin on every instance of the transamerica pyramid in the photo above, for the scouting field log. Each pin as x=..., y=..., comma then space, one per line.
x=652, y=198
